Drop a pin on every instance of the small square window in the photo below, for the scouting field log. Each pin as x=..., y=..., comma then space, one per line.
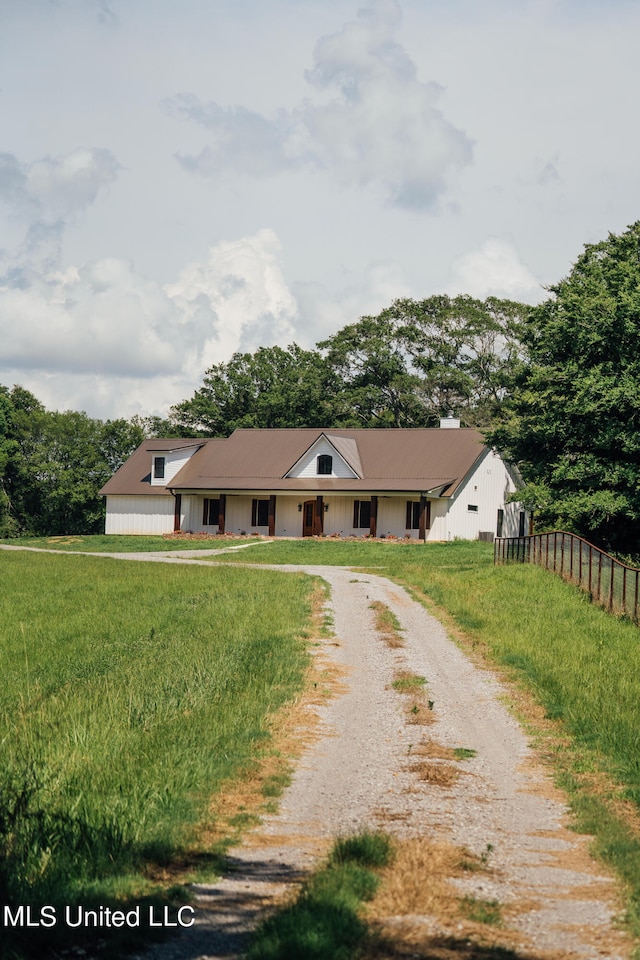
x=472, y=507
x=158, y=468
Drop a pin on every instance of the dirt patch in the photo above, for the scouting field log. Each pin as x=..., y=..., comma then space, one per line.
x=430, y=771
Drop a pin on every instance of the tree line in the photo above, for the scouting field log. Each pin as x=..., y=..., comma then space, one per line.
x=556, y=388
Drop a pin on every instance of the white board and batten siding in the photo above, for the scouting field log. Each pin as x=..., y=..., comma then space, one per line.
x=174, y=461
x=306, y=467
x=140, y=514
x=474, y=508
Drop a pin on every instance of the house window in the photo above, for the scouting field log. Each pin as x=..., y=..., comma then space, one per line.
x=413, y=515
x=361, y=514
x=521, y=524
x=158, y=468
x=325, y=464
x=412, y=521
x=500, y=523
x=211, y=513
x=472, y=507
x=259, y=513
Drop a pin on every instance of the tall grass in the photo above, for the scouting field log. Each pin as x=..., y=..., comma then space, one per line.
x=130, y=693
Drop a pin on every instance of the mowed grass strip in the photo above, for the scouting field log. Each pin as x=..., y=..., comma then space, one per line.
x=119, y=543
x=130, y=694
x=325, y=921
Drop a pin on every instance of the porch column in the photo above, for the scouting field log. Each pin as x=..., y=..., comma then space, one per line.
x=318, y=520
x=176, y=512
x=221, y=512
x=272, y=515
x=422, y=532
x=373, y=517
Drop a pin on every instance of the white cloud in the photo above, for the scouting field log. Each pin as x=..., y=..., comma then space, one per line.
x=99, y=318
x=241, y=284
x=495, y=270
x=56, y=188
x=103, y=323
x=372, y=122
x=322, y=312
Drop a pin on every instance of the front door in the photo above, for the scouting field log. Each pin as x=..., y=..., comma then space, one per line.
x=308, y=514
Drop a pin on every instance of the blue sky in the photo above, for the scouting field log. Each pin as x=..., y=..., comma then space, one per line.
x=182, y=180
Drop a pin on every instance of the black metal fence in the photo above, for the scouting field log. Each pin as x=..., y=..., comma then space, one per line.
x=609, y=582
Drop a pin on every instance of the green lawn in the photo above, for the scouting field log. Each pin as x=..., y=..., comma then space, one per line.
x=102, y=543
x=131, y=691
x=130, y=694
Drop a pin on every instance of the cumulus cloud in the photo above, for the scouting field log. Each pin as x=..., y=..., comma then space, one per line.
x=55, y=189
x=372, y=121
x=42, y=198
x=495, y=270
x=241, y=139
x=241, y=284
x=101, y=317
x=323, y=311
x=104, y=318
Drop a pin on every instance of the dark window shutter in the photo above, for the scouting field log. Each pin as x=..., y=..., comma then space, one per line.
x=356, y=513
x=254, y=513
x=205, y=511
x=409, y=517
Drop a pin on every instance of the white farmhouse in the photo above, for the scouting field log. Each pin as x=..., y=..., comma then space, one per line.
x=429, y=484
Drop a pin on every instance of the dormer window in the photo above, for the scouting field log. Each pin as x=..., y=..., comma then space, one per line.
x=158, y=468
x=324, y=465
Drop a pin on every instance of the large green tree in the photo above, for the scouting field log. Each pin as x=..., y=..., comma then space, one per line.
x=575, y=412
x=52, y=465
x=419, y=359
x=406, y=367
x=272, y=387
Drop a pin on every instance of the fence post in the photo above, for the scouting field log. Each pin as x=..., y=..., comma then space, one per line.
x=599, y=575
x=590, y=567
x=571, y=539
x=580, y=565
x=613, y=568
x=624, y=589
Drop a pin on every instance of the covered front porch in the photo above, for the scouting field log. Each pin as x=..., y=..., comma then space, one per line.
x=301, y=515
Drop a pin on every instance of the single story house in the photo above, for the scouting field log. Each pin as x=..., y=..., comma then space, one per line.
x=430, y=484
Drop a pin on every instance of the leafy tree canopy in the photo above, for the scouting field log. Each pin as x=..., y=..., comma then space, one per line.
x=420, y=359
x=574, y=425
x=272, y=387
x=53, y=464
x=406, y=367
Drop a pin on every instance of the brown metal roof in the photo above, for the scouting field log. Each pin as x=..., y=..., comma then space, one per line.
x=388, y=460
x=134, y=476
x=385, y=459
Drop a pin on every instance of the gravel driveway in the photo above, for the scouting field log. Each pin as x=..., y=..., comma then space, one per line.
x=503, y=807
x=358, y=773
